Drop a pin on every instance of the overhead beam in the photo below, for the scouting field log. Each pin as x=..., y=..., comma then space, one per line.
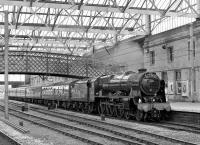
x=54, y=42
x=43, y=47
x=47, y=14
x=54, y=37
x=78, y=29
x=96, y=7
x=33, y=42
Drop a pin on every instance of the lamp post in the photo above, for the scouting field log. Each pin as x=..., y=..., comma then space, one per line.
x=6, y=38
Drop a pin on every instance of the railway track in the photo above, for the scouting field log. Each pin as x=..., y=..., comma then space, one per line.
x=164, y=124
x=129, y=133
x=6, y=140
x=87, y=136
x=190, y=128
x=178, y=126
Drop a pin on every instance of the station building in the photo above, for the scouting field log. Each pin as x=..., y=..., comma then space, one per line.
x=176, y=60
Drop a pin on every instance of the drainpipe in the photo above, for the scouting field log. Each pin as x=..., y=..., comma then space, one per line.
x=192, y=63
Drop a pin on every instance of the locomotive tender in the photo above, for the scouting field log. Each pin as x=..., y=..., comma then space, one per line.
x=139, y=95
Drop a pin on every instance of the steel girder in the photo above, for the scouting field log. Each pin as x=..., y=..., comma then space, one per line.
x=98, y=7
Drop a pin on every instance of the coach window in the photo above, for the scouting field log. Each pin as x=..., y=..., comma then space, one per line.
x=152, y=57
x=170, y=54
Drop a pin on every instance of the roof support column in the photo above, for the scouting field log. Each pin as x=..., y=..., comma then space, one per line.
x=148, y=21
x=148, y=24
x=6, y=64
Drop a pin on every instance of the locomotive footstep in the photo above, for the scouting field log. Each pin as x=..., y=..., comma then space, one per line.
x=139, y=115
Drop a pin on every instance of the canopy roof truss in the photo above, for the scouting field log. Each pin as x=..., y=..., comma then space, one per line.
x=76, y=26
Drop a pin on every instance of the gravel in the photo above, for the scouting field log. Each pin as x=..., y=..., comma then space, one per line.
x=176, y=134
x=21, y=138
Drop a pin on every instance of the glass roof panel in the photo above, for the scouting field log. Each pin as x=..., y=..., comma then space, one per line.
x=92, y=21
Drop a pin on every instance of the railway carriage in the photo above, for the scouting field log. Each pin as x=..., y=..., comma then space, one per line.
x=27, y=94
x=55, y=94
x=81, y=95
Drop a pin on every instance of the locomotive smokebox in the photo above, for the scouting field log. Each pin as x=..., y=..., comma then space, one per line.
x=142, y=70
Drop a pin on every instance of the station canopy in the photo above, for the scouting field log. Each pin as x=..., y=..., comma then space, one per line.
x=79, y=26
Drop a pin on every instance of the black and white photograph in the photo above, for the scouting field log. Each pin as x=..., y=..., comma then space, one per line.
x=99, y=72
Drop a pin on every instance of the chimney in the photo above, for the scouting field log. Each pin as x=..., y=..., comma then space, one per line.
x=142, y=70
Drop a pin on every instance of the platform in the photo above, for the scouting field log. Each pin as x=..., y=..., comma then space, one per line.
x=185, y=106
x=23, y=139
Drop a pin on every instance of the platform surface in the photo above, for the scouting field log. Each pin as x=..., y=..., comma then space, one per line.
x=185, y=106
x=23, y=139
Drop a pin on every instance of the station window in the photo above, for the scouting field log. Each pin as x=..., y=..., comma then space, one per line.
x=170, y=54
x=178, y=75
x=152, y=57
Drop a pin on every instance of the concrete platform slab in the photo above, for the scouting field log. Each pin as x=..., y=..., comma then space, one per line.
x=19, y=137
x=185, y=106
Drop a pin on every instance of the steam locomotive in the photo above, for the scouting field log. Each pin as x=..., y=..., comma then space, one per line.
x=129, y=95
